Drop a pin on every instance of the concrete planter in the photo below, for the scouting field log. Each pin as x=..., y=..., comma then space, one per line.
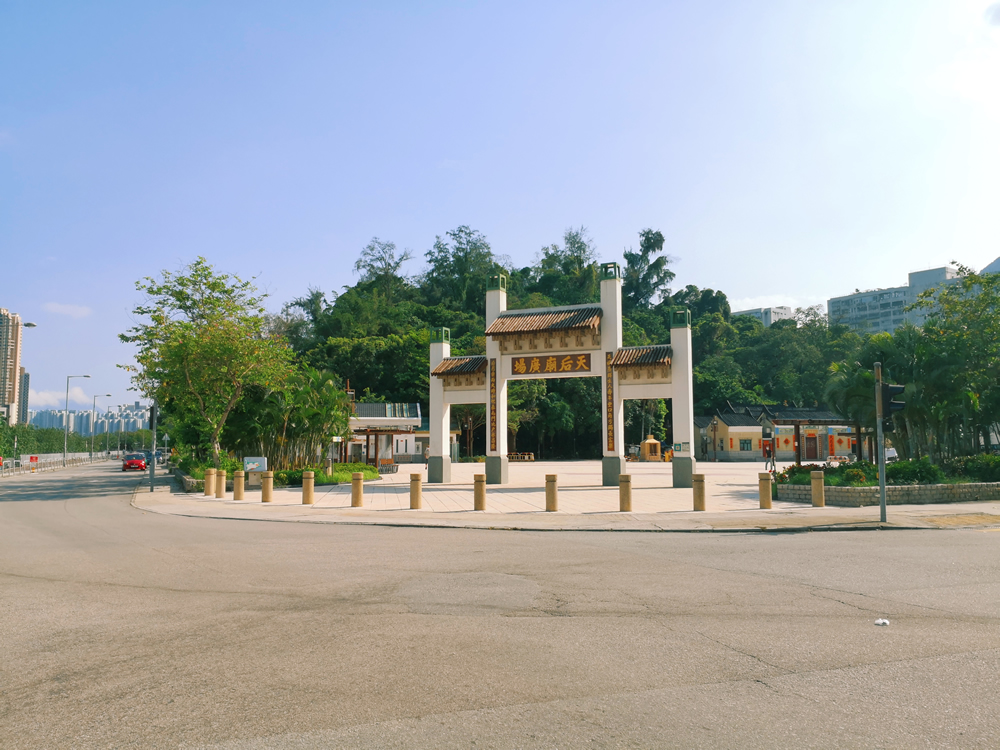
x=190, y=484
x=911, y=494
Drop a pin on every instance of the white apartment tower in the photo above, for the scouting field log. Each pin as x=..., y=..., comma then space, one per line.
x=10, y=364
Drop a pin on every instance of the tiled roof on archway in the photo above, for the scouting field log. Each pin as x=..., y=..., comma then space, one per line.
x=550, y=319
x=461, y=365
x=641, y=356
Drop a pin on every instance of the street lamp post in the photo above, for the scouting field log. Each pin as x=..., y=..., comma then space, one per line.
x=93, y=431
x=66, y=431
x=715, y=442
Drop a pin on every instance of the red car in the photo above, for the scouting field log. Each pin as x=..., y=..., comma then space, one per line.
x=134, y=461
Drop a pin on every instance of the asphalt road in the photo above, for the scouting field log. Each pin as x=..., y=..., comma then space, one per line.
x=120, y=628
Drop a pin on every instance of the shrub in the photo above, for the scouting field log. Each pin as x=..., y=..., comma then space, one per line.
x=984, y=467
x=855, y=477
x=858, y=474
x=798, y=474
x=913, y=472
x=285, y=477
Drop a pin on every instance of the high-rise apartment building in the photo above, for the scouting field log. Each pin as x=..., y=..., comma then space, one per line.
x=10, y=363
x=22, y=402
x=768, y=315
x=126, y=418
x=884, y=310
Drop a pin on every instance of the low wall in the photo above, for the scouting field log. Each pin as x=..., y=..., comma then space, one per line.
x=190, y=484
x=910, y=494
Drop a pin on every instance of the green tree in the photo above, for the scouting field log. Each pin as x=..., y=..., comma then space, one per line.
x=567, y=275
x=459, y=266
x=380, y=265
x=522, y=406
x=202, y=343
x=646, y=276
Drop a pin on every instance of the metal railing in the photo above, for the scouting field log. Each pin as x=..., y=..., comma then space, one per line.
x=51, y=462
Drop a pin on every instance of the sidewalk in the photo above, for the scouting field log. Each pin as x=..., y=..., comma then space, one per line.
x=584, y=505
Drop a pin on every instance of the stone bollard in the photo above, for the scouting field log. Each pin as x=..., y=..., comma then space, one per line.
x=266, y=486
x=357, y=490
x=479, y=492
x=551, y=493
x=698, y=483
x=328, y=469
x=416, y=493
x=818, y=490
x=625, y=493
x=238, y=485
x=220, y=484
x=308, y=482
x=764, y=489
x=209, y=482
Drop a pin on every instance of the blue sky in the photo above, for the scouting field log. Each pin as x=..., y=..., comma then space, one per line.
x=789, y=151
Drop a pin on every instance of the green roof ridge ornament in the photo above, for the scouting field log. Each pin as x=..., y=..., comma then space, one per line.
x=441, y=335
x=610, y=271
x=497, y=281
x=680, y=318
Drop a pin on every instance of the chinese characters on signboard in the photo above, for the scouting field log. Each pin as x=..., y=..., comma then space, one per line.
x=493, y=404
x=548, y=365
x=609, y=402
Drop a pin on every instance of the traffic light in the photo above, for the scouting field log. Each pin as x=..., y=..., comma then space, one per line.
x=887, y=425
x=152, y=415
x=889, y=392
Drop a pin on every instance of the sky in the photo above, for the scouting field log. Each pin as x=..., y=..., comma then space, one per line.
x=789, y=151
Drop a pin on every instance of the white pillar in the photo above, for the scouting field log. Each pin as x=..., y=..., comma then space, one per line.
x=612, y=406
x=682, y=403
x=439, y=463
x=496, y=387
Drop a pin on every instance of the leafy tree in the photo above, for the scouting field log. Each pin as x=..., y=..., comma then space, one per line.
x=522, y=406
x=460, y=264
x=203, y=343
x=646, y=276
x=394, y=366
x=567, y=275
x=380, y=265
x=470, y=417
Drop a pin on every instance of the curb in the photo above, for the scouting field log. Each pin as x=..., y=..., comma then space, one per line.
x=862, y=526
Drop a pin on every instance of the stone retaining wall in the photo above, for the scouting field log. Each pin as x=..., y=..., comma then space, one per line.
x=911, y=494
x=190, y=484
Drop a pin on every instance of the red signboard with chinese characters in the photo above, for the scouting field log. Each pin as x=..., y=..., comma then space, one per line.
x=609, y=401
x=550, y=364
x=493, y=404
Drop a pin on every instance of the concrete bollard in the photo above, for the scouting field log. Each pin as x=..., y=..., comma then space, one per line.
x=357, y=490
x=818, y=490
x=266, y=486
x=698, y=483
x=764, y=489
x=551, y=493
x=416, y=492
x=209, y=482
x=625, y=493
x=238, y=485
x=328, y=469
x=479, y=492
x=308, y=482
x=220, y=484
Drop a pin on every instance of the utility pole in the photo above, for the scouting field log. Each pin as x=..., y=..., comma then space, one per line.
x=152, y=454
x=880, y=448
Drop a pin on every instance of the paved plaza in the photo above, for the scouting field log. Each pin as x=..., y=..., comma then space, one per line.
x=732, y=503
x=122, y=627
